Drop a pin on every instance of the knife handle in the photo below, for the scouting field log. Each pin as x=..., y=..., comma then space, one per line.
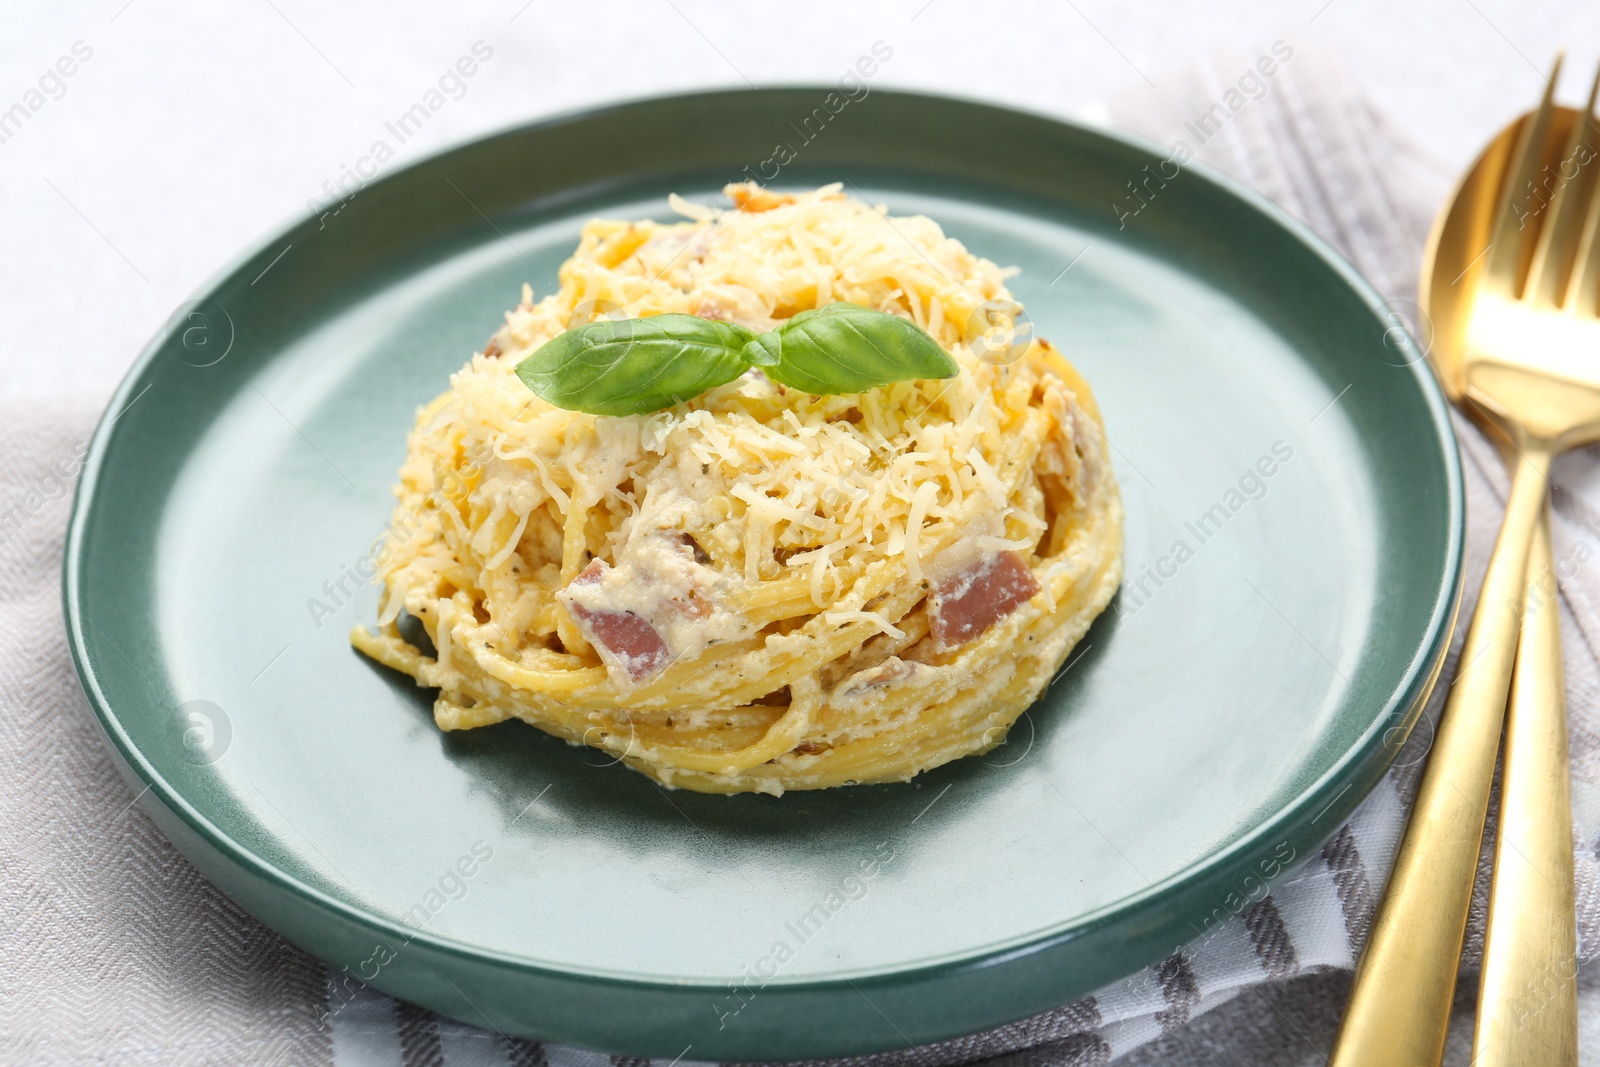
x=1528, y=998
x=1400, y=999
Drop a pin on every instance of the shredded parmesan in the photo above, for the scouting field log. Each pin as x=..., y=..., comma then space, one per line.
x=920, y=504
x=844, y=618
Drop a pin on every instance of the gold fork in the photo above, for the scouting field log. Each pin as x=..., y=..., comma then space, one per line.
x=1516, y=336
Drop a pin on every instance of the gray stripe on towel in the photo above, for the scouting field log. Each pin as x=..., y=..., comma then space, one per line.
x=1178, y=988
x=1274, y=947
x=419, y=1036
x=1350, y=879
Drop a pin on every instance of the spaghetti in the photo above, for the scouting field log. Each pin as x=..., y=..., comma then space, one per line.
x=760, y=589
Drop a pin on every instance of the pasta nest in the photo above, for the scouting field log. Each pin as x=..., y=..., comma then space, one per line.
x=760, y=589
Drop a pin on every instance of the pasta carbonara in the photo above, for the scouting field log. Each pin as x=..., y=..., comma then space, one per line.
x=760, y=589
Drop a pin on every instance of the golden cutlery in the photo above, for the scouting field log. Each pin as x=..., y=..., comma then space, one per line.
x=1527, y=997
x=1528, y=993
x=1515, y=336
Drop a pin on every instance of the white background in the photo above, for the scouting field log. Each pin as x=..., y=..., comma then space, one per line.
x=197, y=128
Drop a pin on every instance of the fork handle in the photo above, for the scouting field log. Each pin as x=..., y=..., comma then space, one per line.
x=1528, y=999
x=1400, y=1000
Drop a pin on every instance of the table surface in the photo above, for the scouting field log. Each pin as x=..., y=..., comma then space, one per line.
x=190, y=131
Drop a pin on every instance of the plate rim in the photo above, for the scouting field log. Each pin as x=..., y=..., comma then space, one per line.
x=1408, y=698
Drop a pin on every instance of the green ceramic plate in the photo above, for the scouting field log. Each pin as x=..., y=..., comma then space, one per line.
x=1293, y=545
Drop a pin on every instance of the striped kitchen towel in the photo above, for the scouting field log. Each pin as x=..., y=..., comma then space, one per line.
x=114, y=948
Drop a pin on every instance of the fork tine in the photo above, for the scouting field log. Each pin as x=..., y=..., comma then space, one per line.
x=1583, y=291
x=1510, y=245
x=1553, y=258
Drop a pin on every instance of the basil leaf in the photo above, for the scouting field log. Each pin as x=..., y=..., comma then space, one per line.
x=635, y=366
x=846, y=348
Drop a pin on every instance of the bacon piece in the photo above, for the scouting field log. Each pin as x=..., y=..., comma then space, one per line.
x=893, y=669
x=968, y=602
x=628, y=638
x=1064, y=464
x=492, y=349
x=691, y=604
x=701, y=556
x=708, y=310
